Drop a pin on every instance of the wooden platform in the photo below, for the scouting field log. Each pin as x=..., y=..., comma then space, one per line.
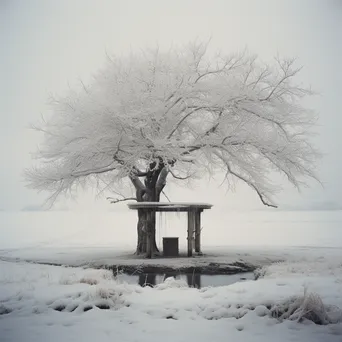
x=194, y=211
x=169, y=206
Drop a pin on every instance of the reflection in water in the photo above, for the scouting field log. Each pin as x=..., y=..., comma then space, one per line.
x=147, y=279
x=150, y=279
x=196, y=280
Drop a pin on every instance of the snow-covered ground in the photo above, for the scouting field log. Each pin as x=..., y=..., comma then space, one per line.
x=56, y=303
x=53, y=303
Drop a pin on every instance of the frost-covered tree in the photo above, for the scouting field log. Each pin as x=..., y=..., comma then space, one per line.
x=181, y=113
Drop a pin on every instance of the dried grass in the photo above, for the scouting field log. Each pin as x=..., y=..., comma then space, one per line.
x=89, y=281
x=307, y=307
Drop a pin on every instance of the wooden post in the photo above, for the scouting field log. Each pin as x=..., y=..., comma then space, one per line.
x=198, y=231
x=191, y=224
x=149, y=249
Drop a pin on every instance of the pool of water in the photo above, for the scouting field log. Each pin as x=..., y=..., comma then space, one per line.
x=192, y=279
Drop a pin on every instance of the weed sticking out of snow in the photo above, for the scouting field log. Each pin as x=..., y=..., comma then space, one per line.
x=103, y=293
x=92, y=277
x=89, y=281
x=107, y=275
x=308, y=307
x=68, y=279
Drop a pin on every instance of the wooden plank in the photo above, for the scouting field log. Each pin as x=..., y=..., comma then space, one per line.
x=166, y=209
x=198, y=231
x=169, y=205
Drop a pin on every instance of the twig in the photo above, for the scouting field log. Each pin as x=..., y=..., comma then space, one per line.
x=165, y=195
x=117, y=200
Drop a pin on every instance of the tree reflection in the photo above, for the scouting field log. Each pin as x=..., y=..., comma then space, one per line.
x=150, y=279
x=147, y=279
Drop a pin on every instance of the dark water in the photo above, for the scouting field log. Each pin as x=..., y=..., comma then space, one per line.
x=192, y=279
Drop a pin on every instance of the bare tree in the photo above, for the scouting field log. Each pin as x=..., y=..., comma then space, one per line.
x=178, y=114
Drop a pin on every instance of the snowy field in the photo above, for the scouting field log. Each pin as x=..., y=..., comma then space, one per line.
x=56, y=303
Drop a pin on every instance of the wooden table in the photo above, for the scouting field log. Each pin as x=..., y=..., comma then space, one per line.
x=194, y=211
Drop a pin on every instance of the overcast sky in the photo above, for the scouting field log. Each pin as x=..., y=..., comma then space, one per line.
x=48, y=45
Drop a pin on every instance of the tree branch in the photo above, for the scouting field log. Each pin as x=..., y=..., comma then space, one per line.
x=117, y=200
x=278, y=124
x=186, y=106
x=89, y=172
x=161, y=182
x=139, y=173
x=181, y=120
x=139, y=186
x=163, y=192
x=179, y=177
x=222, y=69
x=248, y=182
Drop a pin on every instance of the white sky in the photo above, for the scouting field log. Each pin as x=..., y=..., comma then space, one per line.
x=49, y=44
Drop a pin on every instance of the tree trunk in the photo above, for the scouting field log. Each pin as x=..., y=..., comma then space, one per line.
x=146, y=227
x=141, y=245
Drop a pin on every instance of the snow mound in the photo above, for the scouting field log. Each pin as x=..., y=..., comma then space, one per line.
x=171, y=283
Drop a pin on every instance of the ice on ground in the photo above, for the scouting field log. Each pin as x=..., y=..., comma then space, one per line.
x=42, y=302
